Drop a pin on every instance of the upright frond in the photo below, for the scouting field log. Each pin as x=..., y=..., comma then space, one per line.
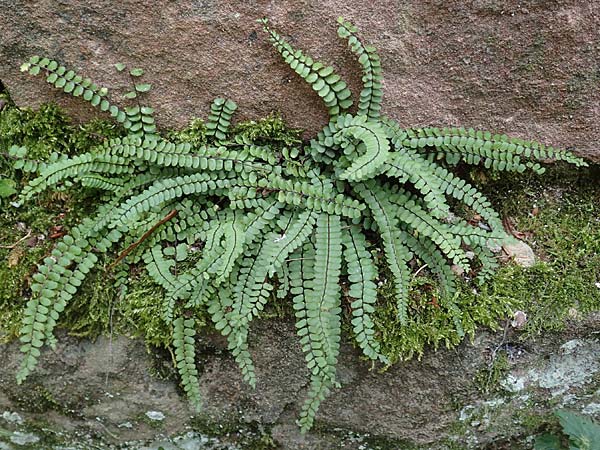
x=330, y=87
x=369, y=103
x=219, y=119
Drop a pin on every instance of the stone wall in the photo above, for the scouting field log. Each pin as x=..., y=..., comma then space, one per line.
x=113, y=392
x=530, y=68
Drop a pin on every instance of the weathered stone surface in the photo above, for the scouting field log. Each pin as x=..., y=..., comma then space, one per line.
x=103, y=394
x=527, y=68
x=519, y=252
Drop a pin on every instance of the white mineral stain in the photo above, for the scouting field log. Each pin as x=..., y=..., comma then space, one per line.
x=574, y=367
x=12, y=417
x=20, y=438
x=155, y=415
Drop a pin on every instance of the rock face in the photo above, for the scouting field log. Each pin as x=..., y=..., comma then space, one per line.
x=526, y=68
x=108, y=393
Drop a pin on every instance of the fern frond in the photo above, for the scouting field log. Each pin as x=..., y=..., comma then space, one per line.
x=362, y=272
x=376, y=148
x=322, y=305
x=323, y=80
x=77, y=86
x=370, y=97
x=219, y=118
x=54, y=285
x=469, y=195
x=237, y=337
x=498, y=152
x=75, y=167
x=396, y=253
x=185, y=358
x=310, y=195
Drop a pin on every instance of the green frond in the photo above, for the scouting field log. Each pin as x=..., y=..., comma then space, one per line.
x=195, y=284
x=369, y=103
x=310, y=195
x=96, y=181
x=323, y=80
x=375, y=144
x=54, y=286
x=362, y=273
x=322, y=315
x=498, y=152
x=184, y=344
x=75, y=167
x=237, y=336
x=219, y=118
x=396, y=252
x=138, y=122
x=235, y=239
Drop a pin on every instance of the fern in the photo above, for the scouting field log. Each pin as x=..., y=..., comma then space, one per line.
x=304, y=221
x=184, y=343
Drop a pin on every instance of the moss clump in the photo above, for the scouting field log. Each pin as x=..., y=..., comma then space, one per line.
x=432, y=323
x=271, y=130
x=49, y=130
x=194, y=133
x=560, y=216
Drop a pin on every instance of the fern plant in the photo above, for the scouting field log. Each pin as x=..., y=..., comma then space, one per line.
x=225, y=226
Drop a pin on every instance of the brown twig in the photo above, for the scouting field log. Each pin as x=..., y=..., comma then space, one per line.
x=147, y=234
x=18, y=242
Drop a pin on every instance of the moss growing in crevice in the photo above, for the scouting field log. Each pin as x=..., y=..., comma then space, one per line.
x=233, y=429
x=559, y=214
x=49, y=129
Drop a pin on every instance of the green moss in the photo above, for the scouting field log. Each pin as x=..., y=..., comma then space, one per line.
x=560, y=213
x=140, y=313
x=194, y=133
x=49, y=129
x=432, y=323
x=488, y=378
x=271, y=130
x=250, y=435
